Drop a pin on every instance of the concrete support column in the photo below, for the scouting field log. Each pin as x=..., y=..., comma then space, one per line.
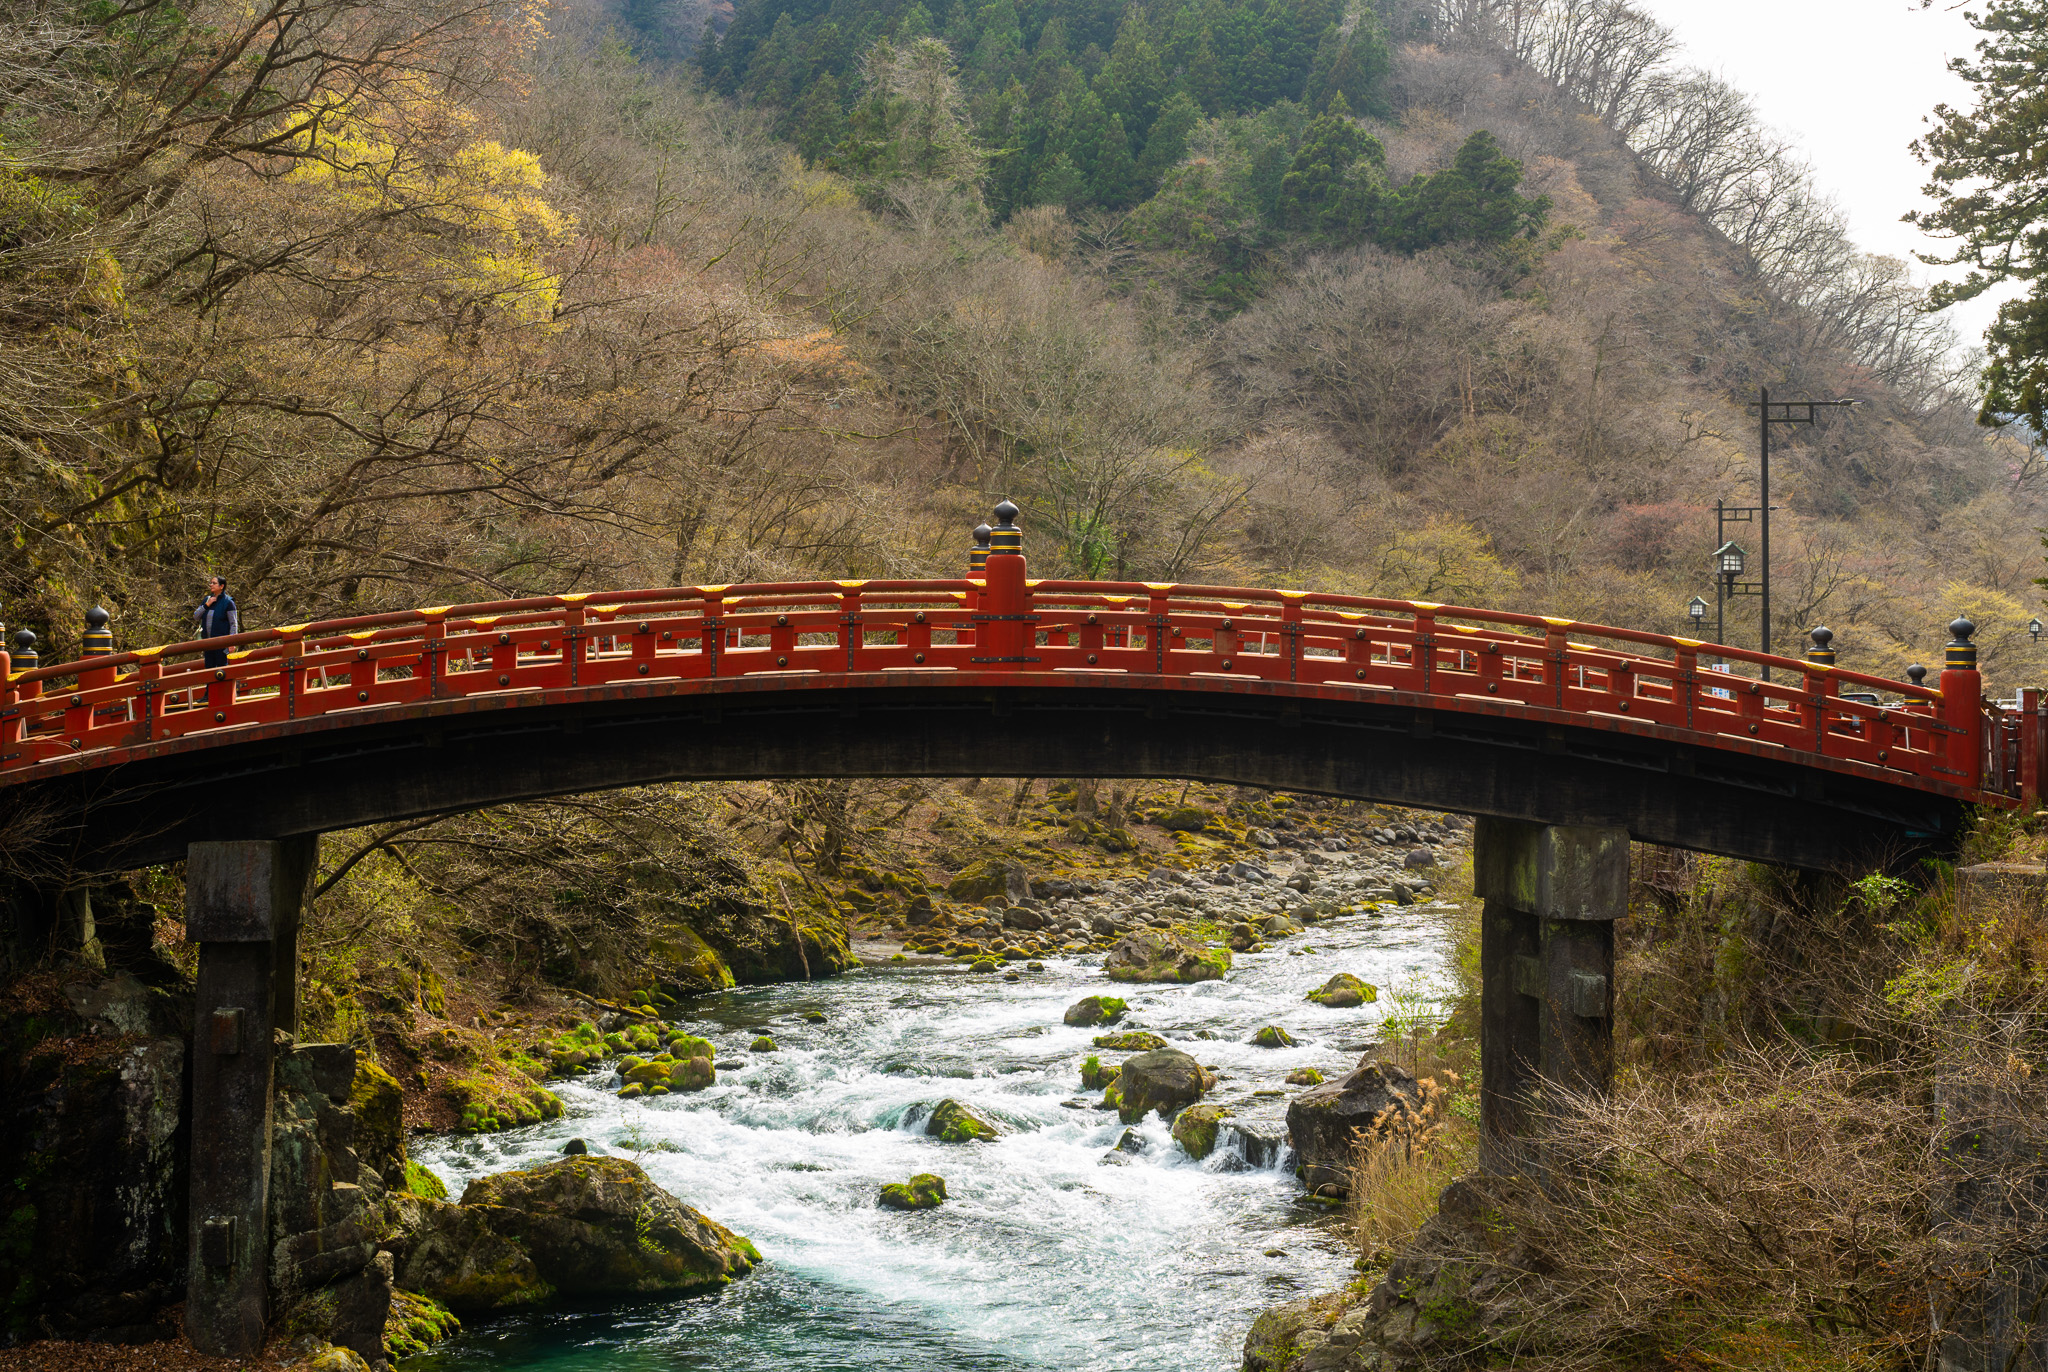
x=1546, y=957
x=242, y=902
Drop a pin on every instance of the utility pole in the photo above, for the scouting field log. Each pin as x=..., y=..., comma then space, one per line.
x=1787, y=412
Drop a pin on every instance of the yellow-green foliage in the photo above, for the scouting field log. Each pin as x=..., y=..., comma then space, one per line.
x=421, y=1182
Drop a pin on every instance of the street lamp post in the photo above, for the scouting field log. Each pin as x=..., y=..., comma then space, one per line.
x=1696, y=611
x=1729, y=560
x=1771, y=412
x=2034, y=629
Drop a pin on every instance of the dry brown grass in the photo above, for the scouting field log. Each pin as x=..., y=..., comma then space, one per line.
x=1406, y=1160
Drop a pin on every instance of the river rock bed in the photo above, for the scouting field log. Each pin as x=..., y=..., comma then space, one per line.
x=1071, y=1240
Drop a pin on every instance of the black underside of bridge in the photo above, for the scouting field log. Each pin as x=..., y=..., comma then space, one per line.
x=1385, y=750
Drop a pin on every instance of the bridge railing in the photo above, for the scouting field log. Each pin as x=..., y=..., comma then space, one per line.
x=1469, y=658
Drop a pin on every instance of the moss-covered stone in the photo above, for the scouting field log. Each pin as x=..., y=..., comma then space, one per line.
x=1273, y=1036
x=978, y=881
x=764, y=1044
x=416, y=1323
x=418, y=1181
x=378, y=1103
x=1165, y=1080
x=1130, y=1041
x=925, y=1191
x=1161, y=955
x=579, y=1226
x=1195, y=1129
x=1188, y=819
x=493, y=1099
x=952, y=1122
x=1090, y=1011
x=1094, y=1074
x=1344, y=991
x=1304, y=1076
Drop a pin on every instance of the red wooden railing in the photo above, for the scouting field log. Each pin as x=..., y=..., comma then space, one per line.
x=99, y=710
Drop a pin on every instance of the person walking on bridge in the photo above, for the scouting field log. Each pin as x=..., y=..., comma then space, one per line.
x=217, y=617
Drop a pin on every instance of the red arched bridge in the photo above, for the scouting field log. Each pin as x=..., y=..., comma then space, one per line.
x=309, y=727
x=1566, y=739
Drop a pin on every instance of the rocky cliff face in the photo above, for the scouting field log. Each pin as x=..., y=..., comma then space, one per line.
x=92, y=1158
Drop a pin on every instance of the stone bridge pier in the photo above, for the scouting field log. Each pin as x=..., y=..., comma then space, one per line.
x=242, y=905
x=1546, y=954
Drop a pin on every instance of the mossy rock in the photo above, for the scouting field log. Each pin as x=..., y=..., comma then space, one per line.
x=978, y=881
x=1304, y=1076
x=683, y=1047
x=415, y=1324
x=420, y=1182
x=925, y=1191
x=952, y=1122
x=1090, y=1011
x=378, y=1103
x=631, y=1089
x=764, y=1044
x=1344, y=991
x=986, y=965
x=1094, y=1074
x=1273, y=1036
x=692, y=1075
x=1164, y=1080
x=1195, y=1129
x=1130, y=1041
x=1189, y=819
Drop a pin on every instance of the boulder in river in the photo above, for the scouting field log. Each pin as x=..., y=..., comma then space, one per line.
x=1165, y=1080
x=1273, y=1036
x=1090, y=1011
x=1305, y=1076
x=1344, y=991
x=922, y=1192
x=979, y=881
x=1418, y=858
x=1162, y=955
x=764, y=1044
x=1095, y=1075
x=1195, y=1129
x=952, y=1122
x=1130, y=1041
x=1324, y=1122
x=580, y=1226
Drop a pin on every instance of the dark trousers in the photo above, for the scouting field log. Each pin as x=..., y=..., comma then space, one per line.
x=216, y=657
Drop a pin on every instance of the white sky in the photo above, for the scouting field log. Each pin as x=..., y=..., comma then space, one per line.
x=1853, y=81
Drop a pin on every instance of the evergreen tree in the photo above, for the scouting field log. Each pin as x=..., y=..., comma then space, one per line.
x=818, y=123
x=1334, y=186
x=1471, y=201
x=1167, y=143
x=1351, y=62
x=1990, y=185
x=1115, y=182
x=1059, y=182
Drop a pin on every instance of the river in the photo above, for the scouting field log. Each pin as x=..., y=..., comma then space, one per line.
x=1044, y=1257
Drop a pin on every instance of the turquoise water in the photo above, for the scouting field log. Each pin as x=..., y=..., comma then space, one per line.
x=1044, y=1257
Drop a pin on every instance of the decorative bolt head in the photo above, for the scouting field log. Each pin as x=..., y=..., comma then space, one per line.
x=220, y=717
x=918, y=658
x=643, y=669
x=1091, y=659
x=782, y=662
x=362, y=695
x=504, y=680
x=1006, y=515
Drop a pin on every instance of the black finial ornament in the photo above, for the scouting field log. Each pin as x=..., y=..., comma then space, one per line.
x=1962, y=654
x=1820, y=653
x=977, y=556
x=1916, y=674
x=99, y=639
x=1006, y=537
x=25, y=649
